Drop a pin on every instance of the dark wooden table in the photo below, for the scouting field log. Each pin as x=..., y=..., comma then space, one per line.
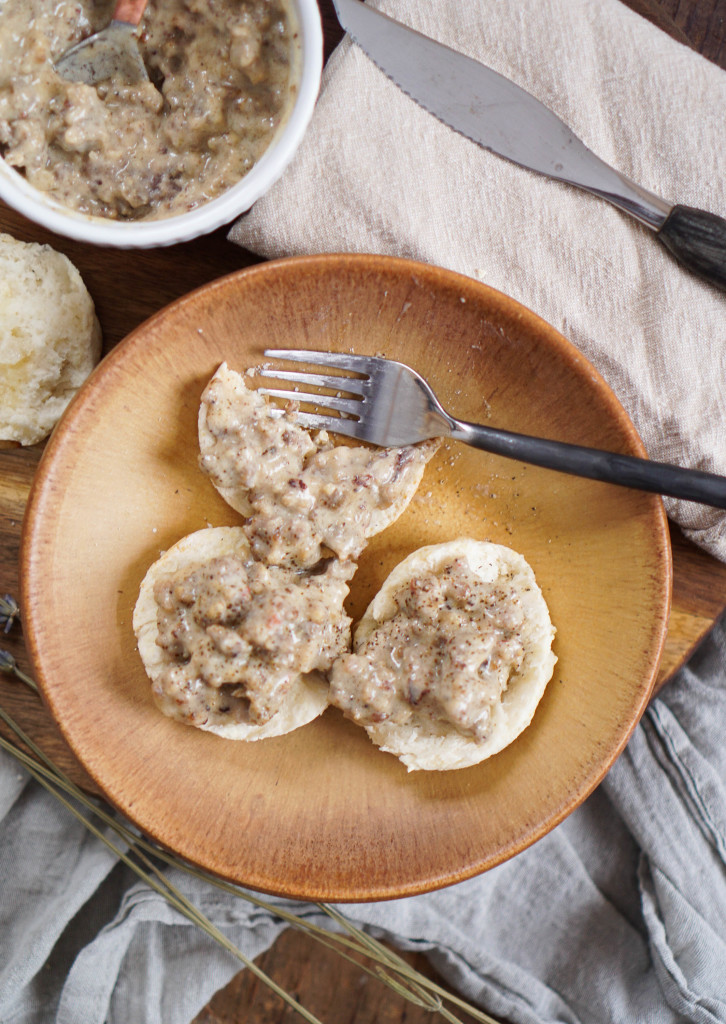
x=127, y=288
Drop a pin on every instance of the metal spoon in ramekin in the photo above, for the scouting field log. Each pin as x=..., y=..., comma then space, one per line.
x=112, y=52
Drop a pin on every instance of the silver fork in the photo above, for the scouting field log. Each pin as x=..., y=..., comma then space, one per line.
x=389, y=404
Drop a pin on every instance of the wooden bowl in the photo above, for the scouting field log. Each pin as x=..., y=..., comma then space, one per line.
x=321, y=813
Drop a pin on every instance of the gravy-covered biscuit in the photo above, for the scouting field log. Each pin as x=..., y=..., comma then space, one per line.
x=303, y=495
x=451, y=658
x=236, y=647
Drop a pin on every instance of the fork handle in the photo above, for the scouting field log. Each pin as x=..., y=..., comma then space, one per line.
x=595, y=464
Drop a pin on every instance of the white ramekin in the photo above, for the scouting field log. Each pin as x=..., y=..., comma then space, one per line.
x=36, y=206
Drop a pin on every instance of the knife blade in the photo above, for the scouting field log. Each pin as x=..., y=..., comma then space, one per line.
x=500, y=116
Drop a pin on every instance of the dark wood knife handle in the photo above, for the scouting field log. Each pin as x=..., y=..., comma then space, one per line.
x=698, y=239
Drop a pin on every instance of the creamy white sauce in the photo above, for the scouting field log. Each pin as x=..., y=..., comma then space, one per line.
x=304, y=497
x=223, y=79
x=238, y=634
x=446, y=655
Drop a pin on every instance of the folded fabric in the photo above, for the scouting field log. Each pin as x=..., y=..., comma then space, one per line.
x=376, y=173
x=617, y=915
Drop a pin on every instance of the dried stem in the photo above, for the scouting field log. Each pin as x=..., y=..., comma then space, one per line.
x=157, y=881
x=351, y=942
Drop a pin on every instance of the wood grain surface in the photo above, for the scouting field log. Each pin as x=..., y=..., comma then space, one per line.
x=127, y=288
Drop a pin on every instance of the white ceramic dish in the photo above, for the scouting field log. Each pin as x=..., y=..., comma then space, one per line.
x=36, y=206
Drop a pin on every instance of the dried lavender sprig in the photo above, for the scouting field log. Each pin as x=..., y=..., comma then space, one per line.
x=46, y=776
x=358, y=941
x=9, y=664
x=9, y=612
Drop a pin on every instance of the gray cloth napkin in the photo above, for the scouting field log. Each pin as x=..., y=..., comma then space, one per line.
x=618, y=915
x=376, y=173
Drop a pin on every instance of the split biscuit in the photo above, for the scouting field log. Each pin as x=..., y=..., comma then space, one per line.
x=451, y=657
x=303, y=495
x=235, y=647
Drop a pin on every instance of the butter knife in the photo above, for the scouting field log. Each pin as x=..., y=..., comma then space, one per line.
x=502, y=117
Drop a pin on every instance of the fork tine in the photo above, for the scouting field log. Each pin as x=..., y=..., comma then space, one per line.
x=348, y=405
x=335, y=424
x=357, y=364
x=318, y=380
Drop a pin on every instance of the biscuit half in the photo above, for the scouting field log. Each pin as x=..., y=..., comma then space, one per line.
x=426, y=742
x=50, y=338
x=230, y=390
x=308, y=695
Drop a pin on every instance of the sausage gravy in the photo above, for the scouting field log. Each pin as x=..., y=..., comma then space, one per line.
x=223, y=78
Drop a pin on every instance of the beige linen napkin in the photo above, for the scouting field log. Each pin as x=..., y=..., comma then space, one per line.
x=376, y=173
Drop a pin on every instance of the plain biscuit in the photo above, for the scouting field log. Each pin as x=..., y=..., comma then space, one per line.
x=50, y=339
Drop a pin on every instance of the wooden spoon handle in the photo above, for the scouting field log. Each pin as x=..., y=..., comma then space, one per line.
x=129, y=11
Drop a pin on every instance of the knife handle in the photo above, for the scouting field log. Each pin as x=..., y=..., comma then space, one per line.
x=698, y=239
